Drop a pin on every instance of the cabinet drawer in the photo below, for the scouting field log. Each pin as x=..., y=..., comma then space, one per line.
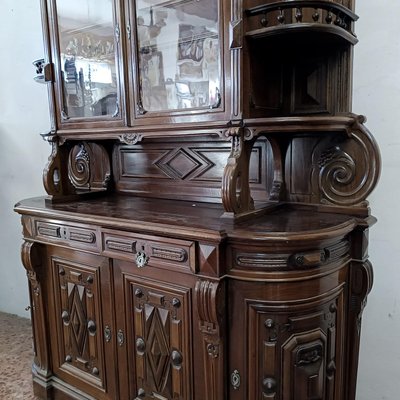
x=71, y=235
x=152, y=251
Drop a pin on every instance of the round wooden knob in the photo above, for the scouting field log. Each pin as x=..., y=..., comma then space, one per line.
x=91, y=327
x=65, y=316
x=95, y=371
x=138, y=293
x=269, y=385
x=176, y=302
x=140, y=345
x=68, y=358
x=269, y=323
x=176, y=358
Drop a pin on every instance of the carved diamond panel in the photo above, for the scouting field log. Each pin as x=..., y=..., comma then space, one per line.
x=78, y=315
x=183, y=163
x=158, y=354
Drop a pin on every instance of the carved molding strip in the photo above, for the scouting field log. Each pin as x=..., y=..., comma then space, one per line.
x=49, y=230
x=261, y=260
x=170, y=254
x=89, y=237
x=127, y=247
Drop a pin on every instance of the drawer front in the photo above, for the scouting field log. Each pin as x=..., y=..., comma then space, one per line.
x=70, y=235
x=244, y=260
x=150, y=251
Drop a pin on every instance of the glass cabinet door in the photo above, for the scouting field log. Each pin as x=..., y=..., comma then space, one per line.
x=178, y=55
x=87, y=40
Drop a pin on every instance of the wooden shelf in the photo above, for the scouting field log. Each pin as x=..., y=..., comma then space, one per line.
x=321, y=32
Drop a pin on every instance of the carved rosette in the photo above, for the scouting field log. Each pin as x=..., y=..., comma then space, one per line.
x=210, y=300
x=235, y=180
x=31, y=261
x=346, y=173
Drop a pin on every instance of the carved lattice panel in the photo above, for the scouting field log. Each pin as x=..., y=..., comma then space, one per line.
x=77, y=315
x=161, y=332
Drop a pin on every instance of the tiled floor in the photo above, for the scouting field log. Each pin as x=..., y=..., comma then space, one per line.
x=16, y=357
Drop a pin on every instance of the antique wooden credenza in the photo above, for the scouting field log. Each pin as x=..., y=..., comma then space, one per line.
x=205, y=231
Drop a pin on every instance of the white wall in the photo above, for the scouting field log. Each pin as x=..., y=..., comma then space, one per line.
x=24, y=114
x=377, y=95
x=23, y=154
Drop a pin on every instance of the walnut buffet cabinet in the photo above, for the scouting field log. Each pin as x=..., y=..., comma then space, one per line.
x=205, y=231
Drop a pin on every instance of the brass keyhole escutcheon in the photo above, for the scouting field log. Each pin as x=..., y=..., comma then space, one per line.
x=141, y=259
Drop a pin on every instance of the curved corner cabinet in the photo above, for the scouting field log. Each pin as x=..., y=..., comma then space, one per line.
x=205, y=233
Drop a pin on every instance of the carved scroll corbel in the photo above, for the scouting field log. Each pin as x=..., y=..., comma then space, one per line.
x=55, y=178
x=278, y=152
x=84, y=166
x=345, y=173
x=236, y=197
x=210, y=300
x=31, y=260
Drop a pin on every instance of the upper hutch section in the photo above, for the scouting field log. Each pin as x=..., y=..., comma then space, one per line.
x=202, y=64
x=185, y=77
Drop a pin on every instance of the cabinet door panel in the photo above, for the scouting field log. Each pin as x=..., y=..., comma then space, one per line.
x=291, y=352
x=86, y=46
x=81, y=310
x=159, y=326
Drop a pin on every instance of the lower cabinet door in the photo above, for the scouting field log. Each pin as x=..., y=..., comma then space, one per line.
x=289, y=350
x=81, y=321
x=158, y=326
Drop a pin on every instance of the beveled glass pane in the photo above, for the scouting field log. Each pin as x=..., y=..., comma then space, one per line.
x=87, y=54
x=179, y=54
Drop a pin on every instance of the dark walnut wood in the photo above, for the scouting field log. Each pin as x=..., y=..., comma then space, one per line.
x=191, y=250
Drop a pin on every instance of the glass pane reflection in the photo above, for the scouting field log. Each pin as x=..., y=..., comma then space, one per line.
x=179, y=54
x=86, y=36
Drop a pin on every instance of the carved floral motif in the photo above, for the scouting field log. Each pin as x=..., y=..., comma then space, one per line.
x=131, y=138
